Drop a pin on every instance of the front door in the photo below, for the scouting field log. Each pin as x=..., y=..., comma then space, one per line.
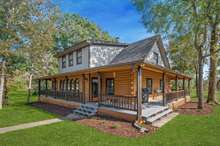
x=95, y=86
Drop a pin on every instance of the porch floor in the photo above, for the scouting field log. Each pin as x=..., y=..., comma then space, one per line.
x=148, y=109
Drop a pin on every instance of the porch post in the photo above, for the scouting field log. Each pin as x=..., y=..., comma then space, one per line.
x=139, y=93
x=89, y=80
x=99, y=87
x=184, y=87
x=189, y=86
x=55, y=87
x=83, y=88
x=39, y=87
x=164, y=85
x=176, y=83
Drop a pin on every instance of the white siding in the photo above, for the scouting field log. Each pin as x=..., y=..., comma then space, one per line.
x=102, y=55
x=150, y=55
x=85, y=62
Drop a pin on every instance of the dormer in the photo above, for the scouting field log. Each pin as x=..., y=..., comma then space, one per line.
x=87, y=54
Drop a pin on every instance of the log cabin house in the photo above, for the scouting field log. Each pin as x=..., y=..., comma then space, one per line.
x=115, y=77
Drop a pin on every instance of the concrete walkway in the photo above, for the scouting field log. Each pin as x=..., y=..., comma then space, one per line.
x=29, y=125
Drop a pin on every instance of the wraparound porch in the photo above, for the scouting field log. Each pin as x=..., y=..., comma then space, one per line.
x=119, y=88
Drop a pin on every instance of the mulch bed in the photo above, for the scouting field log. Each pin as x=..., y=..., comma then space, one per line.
x=51, y=108
x=190, y=108
x=115, y=127
x=104, y=124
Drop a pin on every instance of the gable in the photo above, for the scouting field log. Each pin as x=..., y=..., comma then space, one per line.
x=141, y=51
x=150, y=58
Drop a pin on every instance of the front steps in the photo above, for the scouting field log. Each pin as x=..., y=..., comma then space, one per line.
x=157, y=113
x=86, y=110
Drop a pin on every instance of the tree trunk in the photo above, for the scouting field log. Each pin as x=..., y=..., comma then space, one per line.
x=196, y=70
x=2, y=83
x=212, y=69
x=200, y=80
x=29, y=88
x=5, y=95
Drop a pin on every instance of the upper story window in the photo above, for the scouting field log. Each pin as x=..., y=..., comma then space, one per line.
x=64, y=61
x=70, y=59
x=156, y=57
x=79, y=56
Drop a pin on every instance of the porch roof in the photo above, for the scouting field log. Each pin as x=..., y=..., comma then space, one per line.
x=121, y=66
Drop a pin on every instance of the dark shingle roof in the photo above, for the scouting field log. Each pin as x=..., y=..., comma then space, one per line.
x=139, y=50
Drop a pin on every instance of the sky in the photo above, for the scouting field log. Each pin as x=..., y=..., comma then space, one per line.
x=118, y=17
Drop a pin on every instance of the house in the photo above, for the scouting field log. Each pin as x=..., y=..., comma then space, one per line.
x=112, y=78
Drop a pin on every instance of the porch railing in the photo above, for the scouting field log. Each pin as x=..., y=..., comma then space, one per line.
x=175, y=95
x=72, y=95
x=120, y=102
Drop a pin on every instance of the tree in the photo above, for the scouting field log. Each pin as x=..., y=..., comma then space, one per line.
x=11, y=16
x=73, y=28
x=213, y=18
x=38, y=43
x=179, y=19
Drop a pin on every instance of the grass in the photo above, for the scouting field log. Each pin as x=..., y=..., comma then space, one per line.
x=18, y=111
x=182, y=131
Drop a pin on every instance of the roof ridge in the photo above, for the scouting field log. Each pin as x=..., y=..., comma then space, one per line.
x=148, y=38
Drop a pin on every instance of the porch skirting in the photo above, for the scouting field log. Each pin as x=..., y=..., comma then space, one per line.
x=124, y=115
x=60, y=102
x=179, y=102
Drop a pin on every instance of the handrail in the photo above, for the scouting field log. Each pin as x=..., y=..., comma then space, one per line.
x=69, y=95
x=175, y=95
x=119, y=101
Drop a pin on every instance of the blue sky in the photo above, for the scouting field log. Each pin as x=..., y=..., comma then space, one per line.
x=118, y=17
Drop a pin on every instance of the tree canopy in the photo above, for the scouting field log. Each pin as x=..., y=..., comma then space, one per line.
x=73, y=28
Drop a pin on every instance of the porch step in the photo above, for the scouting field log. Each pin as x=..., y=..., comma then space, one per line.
x=154, y=110
x=86, y=110
x=152, y=113
x=159, y=116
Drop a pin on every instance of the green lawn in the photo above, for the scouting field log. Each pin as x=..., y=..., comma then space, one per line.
x=18, y=112
x=181, y=131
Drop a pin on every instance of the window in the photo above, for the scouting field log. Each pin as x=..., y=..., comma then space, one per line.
x=61, y=83
x=70, y=58
x=149, y=84
x=72, y=85
x=64, y=85
x=77, y=84
x=110, y=86
x=79, y=56
x=95, y=87
x=156, y=57
x=64, y=61
x=161, y=84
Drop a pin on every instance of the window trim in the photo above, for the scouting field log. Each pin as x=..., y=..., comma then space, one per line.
x=79, y=58
x=106, y=86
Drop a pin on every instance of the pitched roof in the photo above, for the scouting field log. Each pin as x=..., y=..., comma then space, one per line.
x=139, y=50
